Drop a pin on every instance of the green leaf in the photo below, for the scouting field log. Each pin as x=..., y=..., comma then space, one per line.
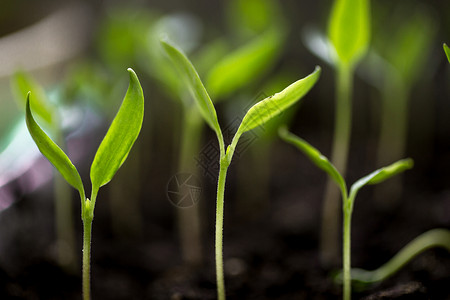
x=52, y=152
x=195, y=85
x=272, y=106
x=247, y=17
x=315, y=156
x=447, y=51
x=21, y=84
x=349, y=29
x=382, y=174
x=121, y=135
x=407, y=40
x=245, y=64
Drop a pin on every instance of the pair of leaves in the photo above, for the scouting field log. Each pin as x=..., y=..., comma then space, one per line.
x=447, y=52
x=257, y=115
x=114, y=148
x=323, y=163
x=349, y=29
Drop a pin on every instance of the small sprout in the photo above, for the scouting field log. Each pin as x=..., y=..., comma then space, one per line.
x=257, y=115
x=447, y=51
x=110, y=155
x=348, y=199
x=349, y=32
x=433, y=238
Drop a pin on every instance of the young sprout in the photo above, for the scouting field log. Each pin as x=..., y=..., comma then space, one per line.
x=447, y=51
x=349, y=34
x=406, y=49
x=433, y=238
x=110, y=155
x=257, y=115
x=348, y=198
x=232, y=70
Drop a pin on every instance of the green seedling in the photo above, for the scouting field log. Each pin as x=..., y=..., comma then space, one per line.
x=349, y=34
x=232, y=69
x=406, y=48
x=110, y=155
x=447, y=51
x=348, y=198
x=21, y=83
x=256, y=116
x=434, y=238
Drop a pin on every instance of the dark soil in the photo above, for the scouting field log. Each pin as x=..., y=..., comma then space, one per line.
x=270, y=255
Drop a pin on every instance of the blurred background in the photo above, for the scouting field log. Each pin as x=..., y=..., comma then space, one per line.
x=148, y=242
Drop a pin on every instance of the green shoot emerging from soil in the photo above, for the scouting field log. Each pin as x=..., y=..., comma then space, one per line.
x=349, y=33
x=433, y=238
x=256, y=116
x=447, y=52
x=110, y=155
x=348, y=198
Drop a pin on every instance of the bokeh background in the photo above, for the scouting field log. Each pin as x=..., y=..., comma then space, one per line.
x=76, y=53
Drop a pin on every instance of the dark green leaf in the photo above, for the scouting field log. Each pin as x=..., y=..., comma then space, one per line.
x=349, y=29
x=314, y=155
x=195, y=85
x=121, y=135
x=52, y=152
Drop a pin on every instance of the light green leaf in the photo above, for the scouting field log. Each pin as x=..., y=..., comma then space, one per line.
x=249, y=17
x=52, y=152
x=121, y=135
x=408, y=43
x=245, y=64
x=272, y=106
x=195, y=85
x=391, y=170
x=21, y=84
x=315, y=156
x=382, y=174
x=349, y=29
x=447, y=52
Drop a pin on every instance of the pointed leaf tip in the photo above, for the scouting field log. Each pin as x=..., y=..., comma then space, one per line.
x=447, y=51
x=391, y=170
x=272, y=106
x=51, y=151
x=121, y=135
x=194, y=84
x=349, y=29
x=381, y=175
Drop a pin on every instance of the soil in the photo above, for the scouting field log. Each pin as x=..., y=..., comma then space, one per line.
x=272, y=254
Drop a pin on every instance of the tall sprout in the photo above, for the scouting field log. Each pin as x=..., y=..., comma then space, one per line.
x=406, y=49
x=256, y=116
x=227, y=71
x=349, y=34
